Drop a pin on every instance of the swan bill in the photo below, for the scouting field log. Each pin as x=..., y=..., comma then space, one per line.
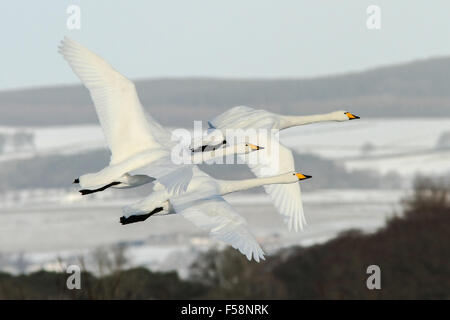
x=351, y=116
x=301, y=176
x=255, y=147
x=77, y=180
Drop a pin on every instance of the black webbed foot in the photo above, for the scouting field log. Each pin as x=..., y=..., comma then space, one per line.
x=87, y=191
x=138, y=218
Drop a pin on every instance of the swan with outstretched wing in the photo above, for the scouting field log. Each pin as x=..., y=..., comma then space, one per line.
x=275, y=158
x=203, y=204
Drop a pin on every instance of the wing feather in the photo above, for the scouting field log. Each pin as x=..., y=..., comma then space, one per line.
x=223, y=223
x=175, y=178
x=116, y=102
x=286, y=197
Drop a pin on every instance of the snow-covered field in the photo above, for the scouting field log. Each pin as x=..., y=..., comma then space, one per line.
x=404, y=146
x=56, y=140
x=44, y=224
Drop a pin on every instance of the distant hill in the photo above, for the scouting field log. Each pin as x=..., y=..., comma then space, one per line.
x=415, y=89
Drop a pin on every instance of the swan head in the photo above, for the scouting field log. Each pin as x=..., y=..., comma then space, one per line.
x=244, y=148
x=252, y=147
x=291, y=177
x=342, y=115
x=301, y=176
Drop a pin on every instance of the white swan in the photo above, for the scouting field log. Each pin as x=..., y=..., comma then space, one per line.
x=204, y=206
x=286, y=198
x=119, y=111
x=168, y=172
x=134, y=138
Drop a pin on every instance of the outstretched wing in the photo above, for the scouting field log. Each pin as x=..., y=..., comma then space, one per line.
x=116, y=101
x=218, y=217
x=278, y=159
x=286, y=197
x=174, y=177
x=243, y=117
x=232, y=117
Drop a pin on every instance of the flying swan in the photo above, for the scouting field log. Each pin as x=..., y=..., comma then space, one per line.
x=286, y=197
x=204, y=206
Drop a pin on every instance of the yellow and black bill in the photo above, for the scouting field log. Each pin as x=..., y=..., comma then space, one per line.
x=351, y=116
x=302, y=176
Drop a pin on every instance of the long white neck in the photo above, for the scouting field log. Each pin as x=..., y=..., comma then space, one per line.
x=292, y=121
x=200, y=157
x=228, y=186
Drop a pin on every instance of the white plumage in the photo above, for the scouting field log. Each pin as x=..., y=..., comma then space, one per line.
x=277, y=158
x=140, y=149
x=134, y=138
x=204, y=206
x=116, y=101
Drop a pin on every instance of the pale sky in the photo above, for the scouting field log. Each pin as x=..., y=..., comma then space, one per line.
x=231, y=39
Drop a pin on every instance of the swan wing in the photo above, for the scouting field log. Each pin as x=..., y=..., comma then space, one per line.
x=229, y=118
x=174, y=177
x=246, y=118
x=287, y=198
x=116, y=102
x=162, y=135
x=212, y=137
x=218, y=217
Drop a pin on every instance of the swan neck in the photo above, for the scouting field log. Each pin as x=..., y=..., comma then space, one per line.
x=292, y=121
x=229, y=186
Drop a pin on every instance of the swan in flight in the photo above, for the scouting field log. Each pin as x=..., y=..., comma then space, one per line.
x=130, y=181
x=204, y=206
x=286, y=197
x=133, y=137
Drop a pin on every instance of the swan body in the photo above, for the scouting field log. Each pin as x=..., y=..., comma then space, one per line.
x=204, y=206
x=131, y=181
x=278, y=158
x=119, y=174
